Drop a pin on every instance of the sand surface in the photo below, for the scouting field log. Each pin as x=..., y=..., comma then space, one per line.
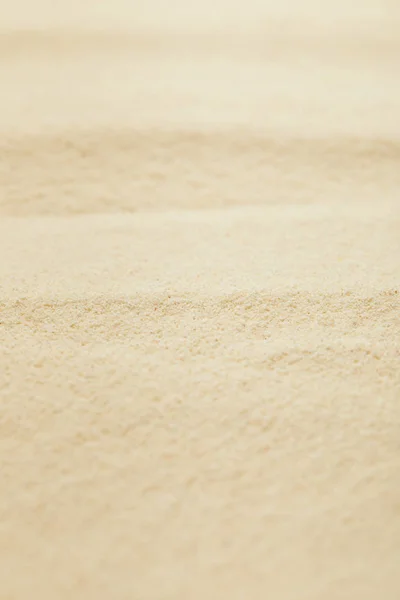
x=200, y=307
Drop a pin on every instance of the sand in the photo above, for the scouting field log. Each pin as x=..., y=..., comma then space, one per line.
x=200, y=307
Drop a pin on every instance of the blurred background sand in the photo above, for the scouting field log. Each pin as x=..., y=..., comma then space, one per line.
x=200, y=318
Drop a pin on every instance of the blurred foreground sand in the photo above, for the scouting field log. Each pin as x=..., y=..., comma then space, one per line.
x=200, y=317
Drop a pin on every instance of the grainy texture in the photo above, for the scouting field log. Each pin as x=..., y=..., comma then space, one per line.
x=200, y=307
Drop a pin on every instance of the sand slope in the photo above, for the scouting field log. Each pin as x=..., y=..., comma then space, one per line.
x=200, y=307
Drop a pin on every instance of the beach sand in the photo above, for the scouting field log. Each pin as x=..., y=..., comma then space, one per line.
x=200, y=307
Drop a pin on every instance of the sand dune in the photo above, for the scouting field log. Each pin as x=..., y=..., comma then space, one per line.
x=200, y=308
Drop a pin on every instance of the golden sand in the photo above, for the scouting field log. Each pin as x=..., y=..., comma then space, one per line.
x=200, y=307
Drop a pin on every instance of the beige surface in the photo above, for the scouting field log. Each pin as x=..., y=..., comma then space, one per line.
x=200, y=317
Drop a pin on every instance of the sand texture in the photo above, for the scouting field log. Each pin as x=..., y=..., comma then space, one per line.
x=200, y=306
